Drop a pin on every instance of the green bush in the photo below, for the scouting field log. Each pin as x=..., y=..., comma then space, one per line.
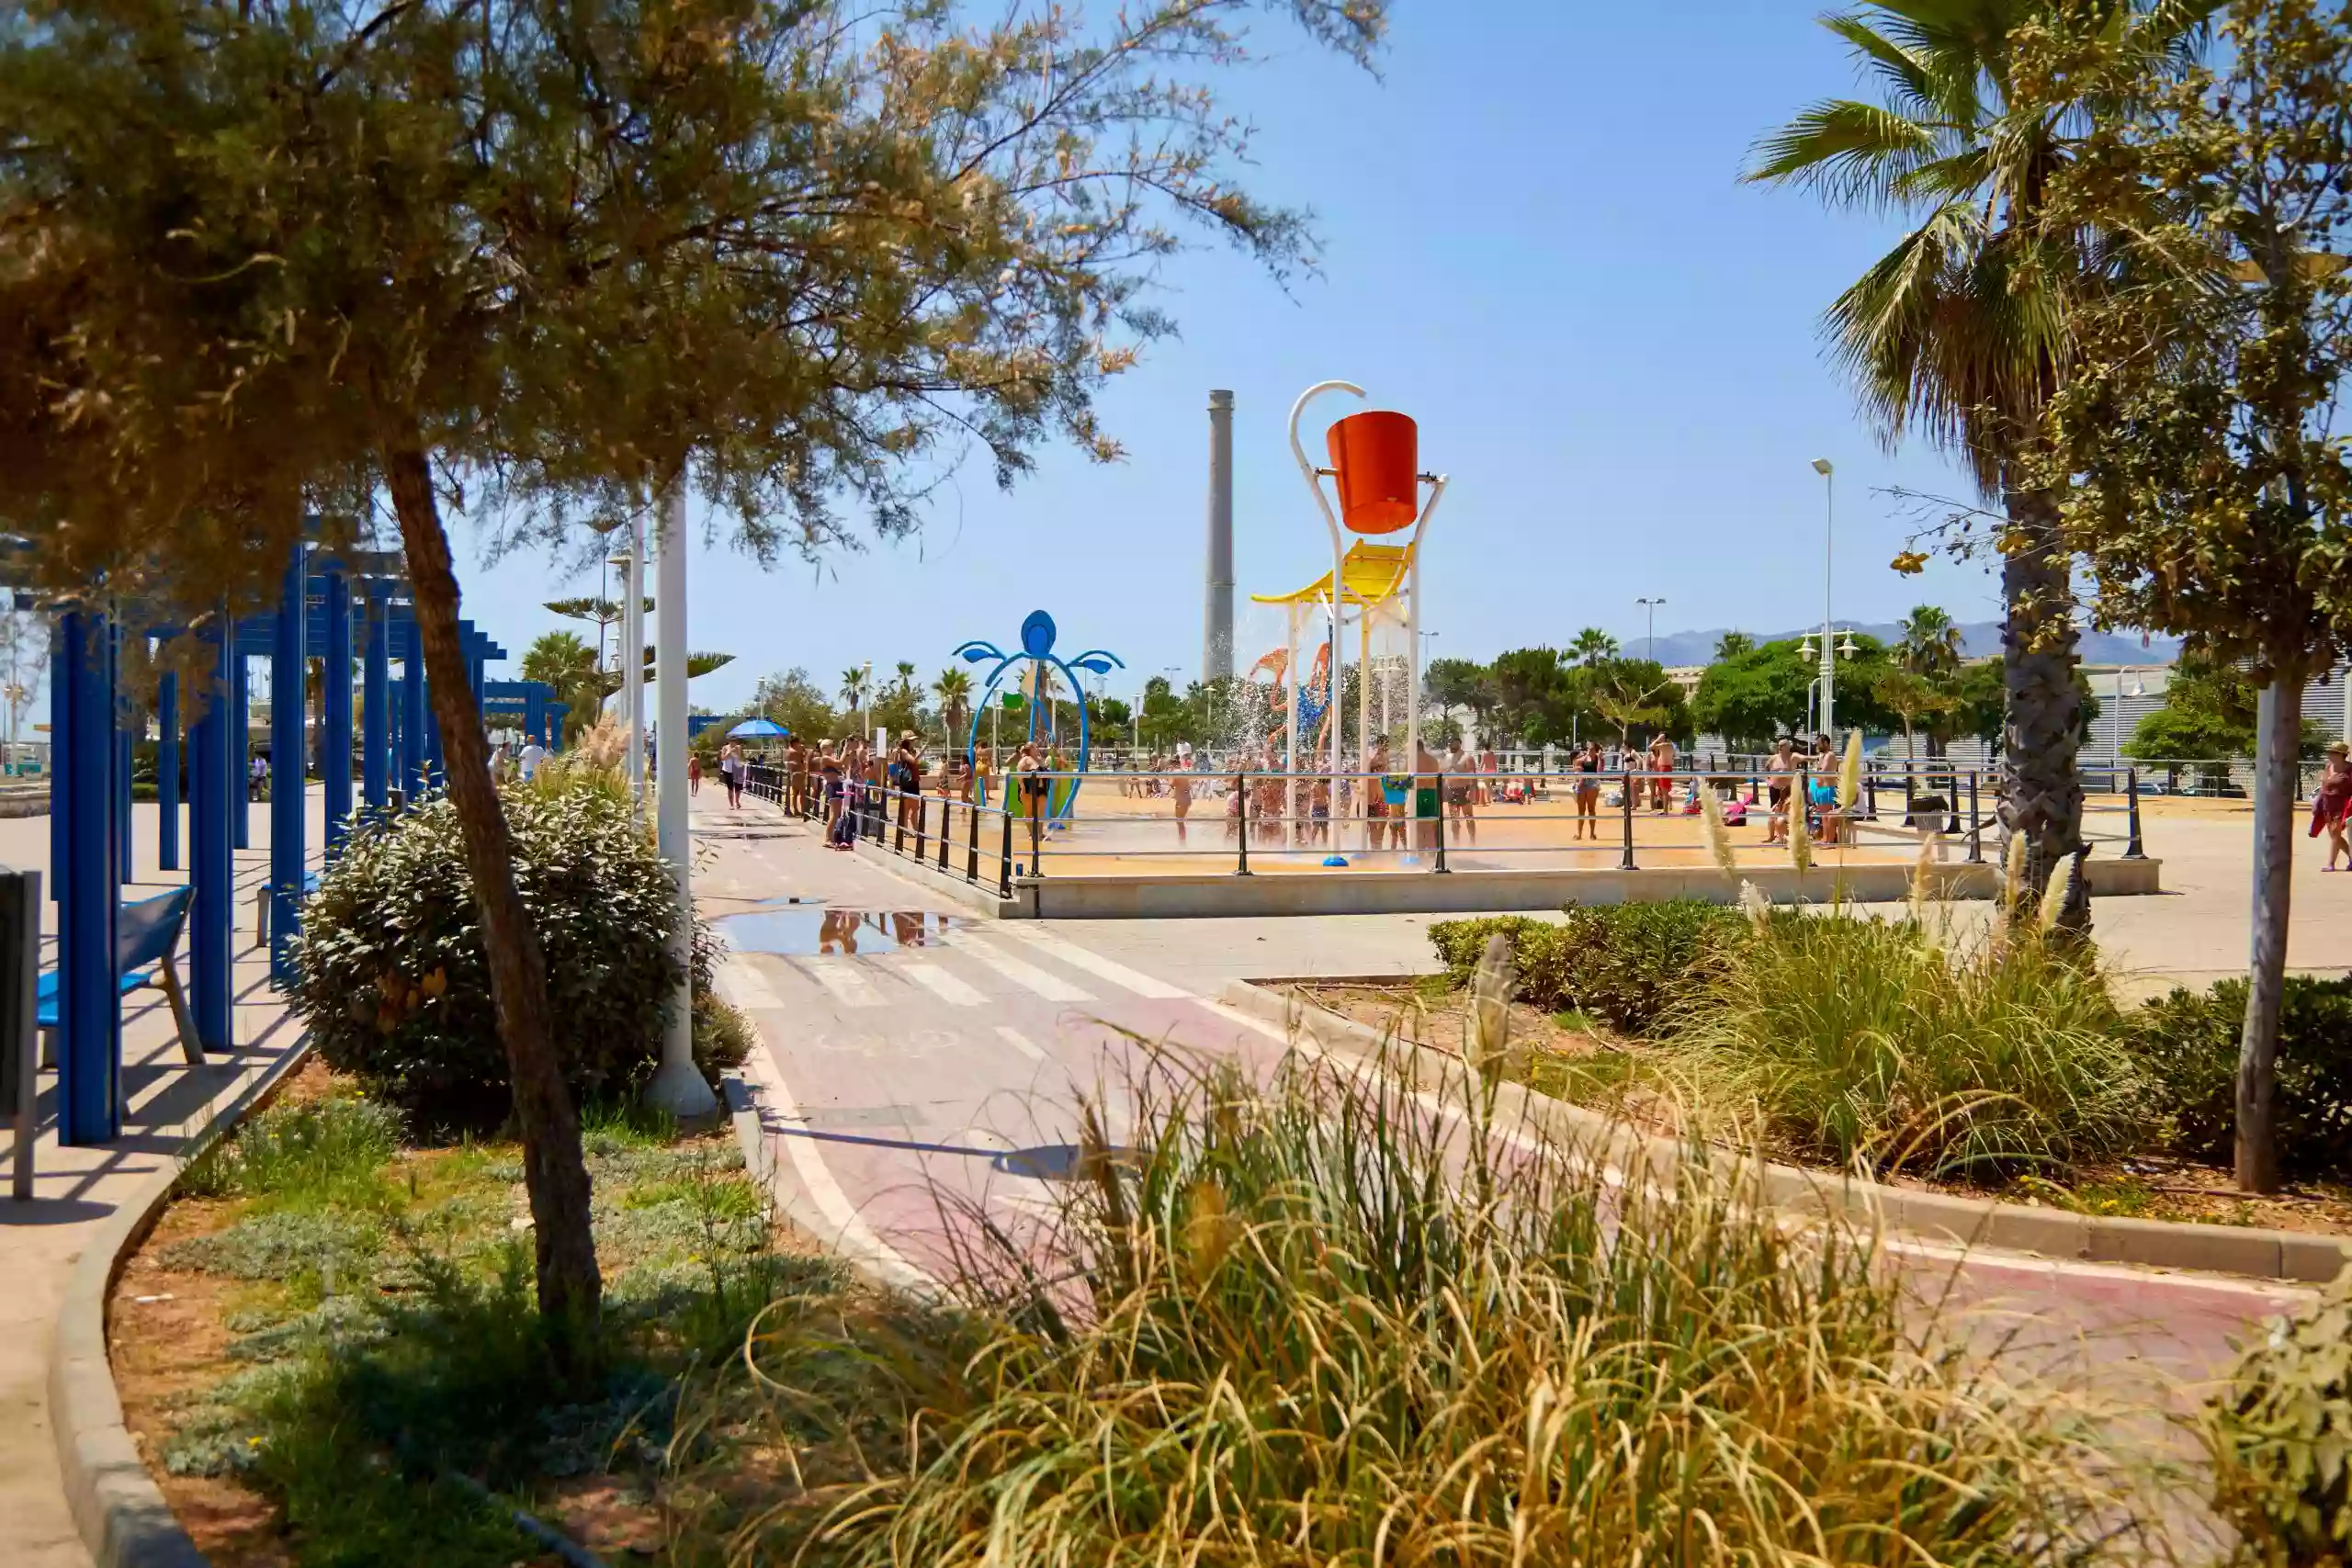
x=2280, y=1440
x=393, y=983
x=1626, y=963
x=2189, y=1041
x=324, y=1152
x=1865, y=1040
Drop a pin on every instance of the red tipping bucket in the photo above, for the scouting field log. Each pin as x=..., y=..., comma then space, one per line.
x=1378, y=455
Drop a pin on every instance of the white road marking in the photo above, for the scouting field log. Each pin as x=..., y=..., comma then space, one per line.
x=848, y=985
x=1026, y=975
x=939, y=982
x=1020, y=1042
x=1094, y=962
x=750, y=988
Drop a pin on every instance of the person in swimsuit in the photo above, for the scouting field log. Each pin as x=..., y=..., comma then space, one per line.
x=1462, y=795
x=1661, y=775
x=1782, y=766
x=1180, y=786
x=1585, y=765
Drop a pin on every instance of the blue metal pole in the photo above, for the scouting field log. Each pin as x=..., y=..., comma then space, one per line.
x=417, y=736
x=214, y=789
x=168, y=771
x=240, y=729
x=62, y=783
x=335, y=748
x=286, y=789
x=122, y=730
x=90, y=1058
x=375, y=714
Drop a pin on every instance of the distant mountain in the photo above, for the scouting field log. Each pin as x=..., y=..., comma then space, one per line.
x=1978, y=639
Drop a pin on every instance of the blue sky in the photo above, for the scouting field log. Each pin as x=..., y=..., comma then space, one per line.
x=1534, y=242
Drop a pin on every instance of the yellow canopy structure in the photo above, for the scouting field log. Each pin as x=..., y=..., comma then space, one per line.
x=1370, y=575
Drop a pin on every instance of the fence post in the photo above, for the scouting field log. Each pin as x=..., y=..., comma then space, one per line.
x=2133, y=848
x=946, y=828
x=897, y=799
x=1037, y=834
x=1626, y=861
x=922, y=822
x=1440, y=824
x=1975, y=820
x=1241, y=815
x=972, y=857
x=1869, y=791
x=1004, y=878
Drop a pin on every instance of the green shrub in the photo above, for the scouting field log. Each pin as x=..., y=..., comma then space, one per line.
x=1312, y=1324
x=2280, y=1440
x=1865, y=1040
x=1626, y=963
x=2189, y=1041
x=325, y=1152
x=392, y=980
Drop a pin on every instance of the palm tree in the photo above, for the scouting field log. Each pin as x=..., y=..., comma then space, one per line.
x=570, y=665
x=906, y=673
x=1930, y=644
x=1592, y=646
x=856, y=681
x=1961, y=329
x=953, y=690
x=1731, y=645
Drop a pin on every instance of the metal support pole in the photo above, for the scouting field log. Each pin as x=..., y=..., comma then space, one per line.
x=416, y=759
x=1441, y=825
x=2132, y=847
x=168, y=771
x=1004, y=861
x=334, y=745
x=1976, y=821
x=214, y=790
x=1625, y=862
x=972, y=856
x=241, y=745
x=375, y=702
x=287, y=746
x=678, y=1086
x=122, y=728
x=89, y=1007
x=1036, y=836
x=1241, y=813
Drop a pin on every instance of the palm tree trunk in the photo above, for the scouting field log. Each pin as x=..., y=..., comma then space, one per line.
x=2278, y=728
x=2041, y=793
x=554, y=1171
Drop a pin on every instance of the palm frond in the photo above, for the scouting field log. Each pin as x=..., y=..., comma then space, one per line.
x=1909, y=74
x=1847, y=151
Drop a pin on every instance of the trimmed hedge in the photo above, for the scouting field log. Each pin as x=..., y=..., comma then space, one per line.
x=1624, y=963
x=2189, y=1042
x=393, y=979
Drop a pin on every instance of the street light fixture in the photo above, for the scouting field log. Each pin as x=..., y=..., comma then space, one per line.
x=1827, y=471
x=1651, y=605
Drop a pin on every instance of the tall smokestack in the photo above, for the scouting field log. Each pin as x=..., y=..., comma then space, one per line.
x=1216, y=624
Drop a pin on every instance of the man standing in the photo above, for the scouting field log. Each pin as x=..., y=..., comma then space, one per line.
x=532, y=755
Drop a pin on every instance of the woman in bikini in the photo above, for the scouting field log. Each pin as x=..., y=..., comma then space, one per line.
x=1781, y=766
x=1586, y=766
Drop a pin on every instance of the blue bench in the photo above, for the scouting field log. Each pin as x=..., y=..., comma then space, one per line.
x=146, y=938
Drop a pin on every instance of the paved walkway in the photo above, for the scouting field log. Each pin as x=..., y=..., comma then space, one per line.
x=926, y=1065
x=76, y=1189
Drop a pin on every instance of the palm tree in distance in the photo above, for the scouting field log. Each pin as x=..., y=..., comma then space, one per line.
x=1592, y=646
x=1930, y=644
x=953, y=690
x=1731, y=645
x=856, y=681
x=1960, y=330
x=906, y=673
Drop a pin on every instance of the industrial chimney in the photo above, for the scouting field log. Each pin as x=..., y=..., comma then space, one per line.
x=1216, y=627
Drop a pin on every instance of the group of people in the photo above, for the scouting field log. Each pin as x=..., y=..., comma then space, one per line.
x=734, y=773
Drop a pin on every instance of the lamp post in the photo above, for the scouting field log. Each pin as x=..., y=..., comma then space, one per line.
x=1651, y=605
x=1827, y=471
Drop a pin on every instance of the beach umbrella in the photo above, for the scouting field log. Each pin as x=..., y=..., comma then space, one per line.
x=757, y=727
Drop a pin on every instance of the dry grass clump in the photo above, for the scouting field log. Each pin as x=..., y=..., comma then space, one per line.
x=1336, y=1320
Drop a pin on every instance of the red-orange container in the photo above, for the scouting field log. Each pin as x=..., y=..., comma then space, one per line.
x=1377, y=455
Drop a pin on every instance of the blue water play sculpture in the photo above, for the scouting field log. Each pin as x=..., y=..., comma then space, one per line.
x=1038, y=648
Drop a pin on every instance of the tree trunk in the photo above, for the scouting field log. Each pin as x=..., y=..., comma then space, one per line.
x=2278, y=728
x=554, y=1171
x=2041, y=794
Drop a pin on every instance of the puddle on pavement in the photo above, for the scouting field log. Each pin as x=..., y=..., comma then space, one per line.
x=807, y=928
x=1061, y=1162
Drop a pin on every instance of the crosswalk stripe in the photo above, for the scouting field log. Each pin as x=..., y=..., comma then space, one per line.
x=750, y=988
x=939, y=982
x=1094, y=964
x=1027, y=975
x=840, y=977
x=1020, y=1042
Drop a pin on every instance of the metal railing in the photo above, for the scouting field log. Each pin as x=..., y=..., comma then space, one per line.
x=1428, y=822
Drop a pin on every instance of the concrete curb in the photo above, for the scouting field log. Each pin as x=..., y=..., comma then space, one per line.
x=117, y=1506
x=1967, y=1221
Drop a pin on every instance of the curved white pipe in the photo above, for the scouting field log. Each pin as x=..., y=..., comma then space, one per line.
x=1308, y=468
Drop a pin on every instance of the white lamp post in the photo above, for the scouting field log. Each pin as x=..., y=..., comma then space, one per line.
x=677, y=1086
x=1828, y=727
x=1651, y=605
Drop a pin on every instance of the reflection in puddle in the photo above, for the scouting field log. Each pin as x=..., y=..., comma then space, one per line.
x=1061, y=1162
x=809, y=929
